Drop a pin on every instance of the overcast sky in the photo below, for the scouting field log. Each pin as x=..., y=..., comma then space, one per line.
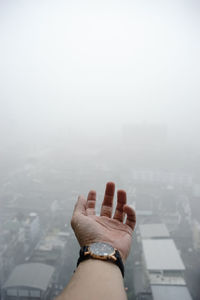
x=98, y=64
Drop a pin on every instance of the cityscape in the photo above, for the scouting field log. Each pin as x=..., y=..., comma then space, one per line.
x=93, y=92
x=39, y=251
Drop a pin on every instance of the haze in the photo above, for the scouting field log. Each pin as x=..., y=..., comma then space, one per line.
x=68, y=65
x=91, y=92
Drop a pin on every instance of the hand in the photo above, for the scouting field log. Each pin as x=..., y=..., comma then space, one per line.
x=90, y=228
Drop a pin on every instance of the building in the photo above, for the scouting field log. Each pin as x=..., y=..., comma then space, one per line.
x=196, y=235
x=154, y=231
x=50, y=250
x=170, y=292
x=161, y=178
x=32, y=228
x=160, y=268
x=161, y=256
x=19, y=234
x=194, y=201
x=33, y=283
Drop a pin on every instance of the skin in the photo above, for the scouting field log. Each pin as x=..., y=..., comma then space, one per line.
x=90, y=228
x=92, y=279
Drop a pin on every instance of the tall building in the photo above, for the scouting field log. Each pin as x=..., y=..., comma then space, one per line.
x=32, y=228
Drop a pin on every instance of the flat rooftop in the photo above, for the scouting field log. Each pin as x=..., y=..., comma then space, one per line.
x=166, y=292
x=162, y=254
x=154, y=231
x=161, y=279
x=30, y=275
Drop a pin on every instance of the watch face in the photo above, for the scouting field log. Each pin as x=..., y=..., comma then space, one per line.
x=101, y=249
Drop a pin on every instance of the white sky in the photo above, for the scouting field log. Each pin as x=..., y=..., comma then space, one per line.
x=97, y=64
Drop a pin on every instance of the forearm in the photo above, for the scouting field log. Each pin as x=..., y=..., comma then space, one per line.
x=97, y=280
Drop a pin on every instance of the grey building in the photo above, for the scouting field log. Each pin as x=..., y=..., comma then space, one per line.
x=165, y=269
x=29, y=281
x=154, y=231
x=172, y=292
x=161, y=255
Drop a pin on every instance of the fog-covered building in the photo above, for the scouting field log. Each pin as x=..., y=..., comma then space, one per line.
x=32, y=227
x=29, y=281
x=196, y=235
x=161, y=255
x=155, y=231
x=50, y=250
x=155, y=177
x=161, y=269
x=170, y=292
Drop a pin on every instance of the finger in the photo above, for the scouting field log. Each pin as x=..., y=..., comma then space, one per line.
x=91, y=202
x=131, y=217
x=80, y=206
x=121, y=201
x=106, y=208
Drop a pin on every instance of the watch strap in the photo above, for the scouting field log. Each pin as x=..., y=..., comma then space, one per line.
x=119, y=262
x=83, y=257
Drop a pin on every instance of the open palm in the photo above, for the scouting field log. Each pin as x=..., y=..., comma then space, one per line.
x=90, y=228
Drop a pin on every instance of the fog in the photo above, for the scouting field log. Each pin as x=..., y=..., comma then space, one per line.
x=94, y=66
x=92, y=91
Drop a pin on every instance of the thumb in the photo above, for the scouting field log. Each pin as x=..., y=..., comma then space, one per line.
x=80, y=206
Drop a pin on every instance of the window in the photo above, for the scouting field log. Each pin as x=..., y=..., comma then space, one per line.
x=23, y=293
x=35, y=293
x=12, y=292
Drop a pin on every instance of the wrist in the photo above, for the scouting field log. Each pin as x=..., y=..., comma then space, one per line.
x=103, y=252
x=99, y=265
x=95, y=279
x=100, y=276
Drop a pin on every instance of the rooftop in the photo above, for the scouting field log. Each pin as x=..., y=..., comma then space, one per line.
x=33, y=275
x=162, y=279
x=51, y=242
x=162, y=254
x=153, y=231
x=166, y=292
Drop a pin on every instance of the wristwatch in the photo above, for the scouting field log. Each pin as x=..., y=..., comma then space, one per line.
x=102, y=251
